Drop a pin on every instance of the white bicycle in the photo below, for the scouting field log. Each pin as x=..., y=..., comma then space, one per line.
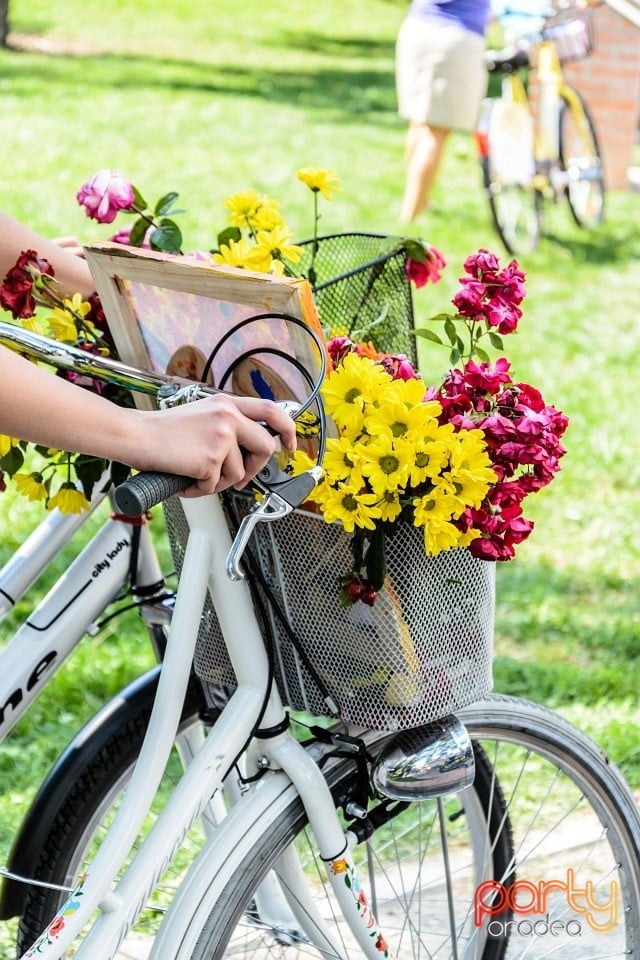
x=118, y=568
x=538, y=853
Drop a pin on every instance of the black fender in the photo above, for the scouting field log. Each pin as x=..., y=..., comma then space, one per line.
x=129, y=703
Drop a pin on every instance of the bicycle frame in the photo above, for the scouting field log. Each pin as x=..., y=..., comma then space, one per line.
x=68, y=611
x=204, y=566
x=552, y=91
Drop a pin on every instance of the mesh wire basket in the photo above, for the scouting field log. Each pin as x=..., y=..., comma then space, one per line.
x=422, y=651
x=571, y=31
x=361, y=288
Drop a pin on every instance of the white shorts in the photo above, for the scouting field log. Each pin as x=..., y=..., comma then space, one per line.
x=440, y=74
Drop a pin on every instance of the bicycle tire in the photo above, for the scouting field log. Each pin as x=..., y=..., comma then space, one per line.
x=82, y=816
x=581, y=160
x=554, y=779
x=508, y=171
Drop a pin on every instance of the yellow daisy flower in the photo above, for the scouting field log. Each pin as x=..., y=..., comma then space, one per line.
x=300, y=462
x=33, y=324
x=30, y=485
x=436, y=505
x=470, y=469
x=390, y=505
x=243, y=207
x=276, y=244
x=350, y=505
x=237, y=253
x=320, y=181
x=440, y=535
x=466, y=537
x=267, y=216
x=429, y=457
x=78, y=305
x=341, y=460
x=307, y=424
x=346, y=390
x=401, y=421
x=68, y=499
x=62, y=325
x=7, y=444
x=385, y=464
x=411, y=392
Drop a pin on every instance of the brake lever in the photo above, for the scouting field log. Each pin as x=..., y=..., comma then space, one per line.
x=281, y=498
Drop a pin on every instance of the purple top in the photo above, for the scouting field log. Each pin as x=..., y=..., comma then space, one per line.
x=473, y=15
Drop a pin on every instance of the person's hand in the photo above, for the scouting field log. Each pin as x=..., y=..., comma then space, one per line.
x=218, y=441
x=70, y=244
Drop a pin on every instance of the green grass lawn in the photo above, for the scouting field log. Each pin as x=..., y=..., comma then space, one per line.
x=210, y=99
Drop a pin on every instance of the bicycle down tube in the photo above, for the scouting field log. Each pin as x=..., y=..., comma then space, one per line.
x=70, y=608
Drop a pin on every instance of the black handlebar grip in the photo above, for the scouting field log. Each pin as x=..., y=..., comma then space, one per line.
x=138, y=494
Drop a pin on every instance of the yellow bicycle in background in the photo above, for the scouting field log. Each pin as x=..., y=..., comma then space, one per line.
x=532, y=153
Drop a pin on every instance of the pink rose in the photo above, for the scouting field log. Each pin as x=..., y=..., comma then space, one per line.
x=105, y=194
x=481, y=263
x=124, y=236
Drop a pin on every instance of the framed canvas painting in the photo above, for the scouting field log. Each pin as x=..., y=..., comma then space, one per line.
x=208, y=323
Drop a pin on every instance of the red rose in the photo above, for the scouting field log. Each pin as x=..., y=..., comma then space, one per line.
x=16, y=292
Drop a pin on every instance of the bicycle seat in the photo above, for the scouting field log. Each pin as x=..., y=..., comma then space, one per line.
x=507, y=60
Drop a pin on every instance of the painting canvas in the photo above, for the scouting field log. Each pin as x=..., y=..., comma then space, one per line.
x=214, y=324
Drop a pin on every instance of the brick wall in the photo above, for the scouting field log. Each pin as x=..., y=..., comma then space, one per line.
x=610, y=83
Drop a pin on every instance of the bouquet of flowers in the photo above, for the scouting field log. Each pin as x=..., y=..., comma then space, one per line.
x=256, y=237
x=455, y=459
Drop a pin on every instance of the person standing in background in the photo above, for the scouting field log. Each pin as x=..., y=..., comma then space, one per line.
x=440, y=80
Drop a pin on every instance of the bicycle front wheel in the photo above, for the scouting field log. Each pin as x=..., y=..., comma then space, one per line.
x=580, y=159
x=509, y=175
x=570, y=888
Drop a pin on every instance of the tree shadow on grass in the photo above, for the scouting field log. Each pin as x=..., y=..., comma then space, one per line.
x=339, y=94
x=612, y=241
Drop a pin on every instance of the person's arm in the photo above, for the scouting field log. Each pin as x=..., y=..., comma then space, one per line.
x=71, y=271
x=201, y=440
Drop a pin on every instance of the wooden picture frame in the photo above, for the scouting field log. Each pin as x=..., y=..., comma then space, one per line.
x=169, y=314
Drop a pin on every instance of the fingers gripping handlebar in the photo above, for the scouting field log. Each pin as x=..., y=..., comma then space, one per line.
x=281, y=491
x=140, y=493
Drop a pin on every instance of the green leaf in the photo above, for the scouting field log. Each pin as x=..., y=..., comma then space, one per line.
x=357, y=548
x=119, y=472
x=231, y=233
x=439, y=318
x=450, y=330
x=482, y=354
x=89, y=467
x=164, y=204
x=375, y=561
x=428, y=335
x=415, y=250
x=138, y=199
x=166, y=237
x=138, y=232
x=496, y=341
x=454, y=356
x=12, y=461
x=88, y=471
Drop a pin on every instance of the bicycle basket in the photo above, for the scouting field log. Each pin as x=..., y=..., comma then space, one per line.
x=571, y=32
x=422, y=651
x=361, y=289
